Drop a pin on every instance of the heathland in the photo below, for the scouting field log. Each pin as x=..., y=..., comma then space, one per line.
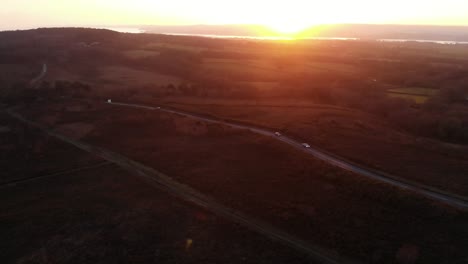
x=396, y=108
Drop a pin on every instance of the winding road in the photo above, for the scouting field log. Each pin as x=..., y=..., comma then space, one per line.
x=424, y=190
x=40, y=76
x=166, y=183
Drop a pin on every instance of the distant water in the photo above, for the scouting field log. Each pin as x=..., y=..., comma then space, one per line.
x=252, y=37
x=133, y=30
x=447, y=42
x=331, y=38
x=136, y=30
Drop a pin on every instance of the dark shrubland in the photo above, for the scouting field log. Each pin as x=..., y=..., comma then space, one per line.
x=353, y=74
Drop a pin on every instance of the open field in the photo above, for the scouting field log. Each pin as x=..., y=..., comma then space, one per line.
x=419, y=99
x=103, y=214
x=159, y=45
x=270, y=70
x=242, y=70
x=138, y=54
x=355, y=135
x=61, y=205
x=128, y=76
x=455, y=51
x=262, y=86
x=414, y=91
x=298, y=193
x=416, y=94
x=108, y=216
x=334, y=67
x=58, y=73
x=27, y=153
x=124, y=77
x=111, y=80
x=18, y=72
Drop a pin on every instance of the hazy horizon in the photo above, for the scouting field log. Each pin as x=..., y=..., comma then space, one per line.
x=382, y=32
x=283, y=17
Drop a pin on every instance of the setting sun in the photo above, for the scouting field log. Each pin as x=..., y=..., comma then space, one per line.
x=288, y=28
x=285, y=17
x=234, y=131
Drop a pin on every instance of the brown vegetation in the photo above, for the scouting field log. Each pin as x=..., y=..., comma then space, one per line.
x=106, y=215
x=325, y=205
x=329, y=93
x=27, y=153
x=357, y=136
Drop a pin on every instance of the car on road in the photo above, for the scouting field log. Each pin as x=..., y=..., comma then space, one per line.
x=109, y=101
x=278, y=134
x=158, y=107
x=305, y=145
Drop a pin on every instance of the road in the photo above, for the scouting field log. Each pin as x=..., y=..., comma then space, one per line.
x=40, y=76
x=420, y=189
x=166, y=183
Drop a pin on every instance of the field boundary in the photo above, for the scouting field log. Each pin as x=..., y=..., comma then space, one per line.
x=40, y=177
x=414, y=94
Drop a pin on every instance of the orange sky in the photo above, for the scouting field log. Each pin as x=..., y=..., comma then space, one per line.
x=288, y=16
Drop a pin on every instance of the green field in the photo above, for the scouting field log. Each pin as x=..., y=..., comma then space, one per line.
x=414, y=91
x=417, y=94
x=339, y=67
x=419, y=99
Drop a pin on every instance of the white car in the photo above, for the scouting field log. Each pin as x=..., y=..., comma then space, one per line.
x=305, y=145
x=109, y=101
x=278, y=134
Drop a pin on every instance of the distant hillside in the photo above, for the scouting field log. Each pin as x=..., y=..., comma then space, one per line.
x=447, y=33
x=444, y=33
x=222, y=30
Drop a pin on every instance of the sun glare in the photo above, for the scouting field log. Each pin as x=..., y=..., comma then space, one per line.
x=288, y=28
x=289, y=20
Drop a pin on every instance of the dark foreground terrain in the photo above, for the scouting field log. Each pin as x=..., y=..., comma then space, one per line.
x=341, y=211
x=107, y=215
x=399, y=108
